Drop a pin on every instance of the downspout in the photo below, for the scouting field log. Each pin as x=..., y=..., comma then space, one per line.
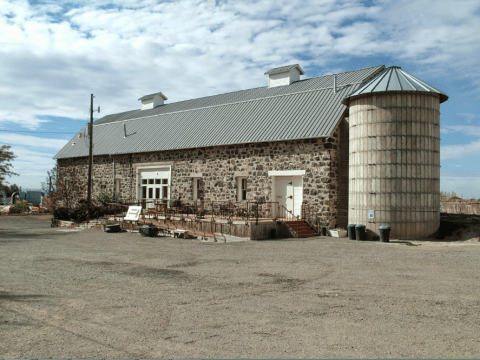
x=113, y=174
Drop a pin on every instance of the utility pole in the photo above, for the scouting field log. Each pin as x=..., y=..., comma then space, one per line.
x=49, y=183
x=90, y=160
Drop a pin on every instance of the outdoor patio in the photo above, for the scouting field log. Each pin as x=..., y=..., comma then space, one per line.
x=254, y=220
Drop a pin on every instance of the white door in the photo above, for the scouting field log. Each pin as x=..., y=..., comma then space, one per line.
x=289, y=193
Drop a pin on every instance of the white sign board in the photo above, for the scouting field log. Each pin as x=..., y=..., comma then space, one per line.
x=371, y=214
x=133, y=213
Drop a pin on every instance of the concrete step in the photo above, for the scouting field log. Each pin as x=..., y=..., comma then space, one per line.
x=301, y=228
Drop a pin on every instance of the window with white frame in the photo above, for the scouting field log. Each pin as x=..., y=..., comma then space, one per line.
x=241, y=188
x=154, y=189
x=197, y=186
x=118, y=183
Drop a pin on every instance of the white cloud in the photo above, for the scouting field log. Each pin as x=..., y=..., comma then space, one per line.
x=33, y=141
x=459, y=151
x=469, y=117
x=53, y=56
x=469, y=130
x=24, y=119
x=129, y=50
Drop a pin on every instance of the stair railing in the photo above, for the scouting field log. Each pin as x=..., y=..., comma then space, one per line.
x=310, y=216
x=287, y=215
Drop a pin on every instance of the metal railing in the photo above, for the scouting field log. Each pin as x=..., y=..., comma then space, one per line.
x=207, y=209
x=240, y=211
x=287, y=215
x=310, y=216
x=198, y=210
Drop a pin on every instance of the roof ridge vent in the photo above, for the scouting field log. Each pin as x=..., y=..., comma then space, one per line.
x=284, y=75
x=152, y=100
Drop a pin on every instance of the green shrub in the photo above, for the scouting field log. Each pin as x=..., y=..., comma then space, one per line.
x=20, y=207
x=79, y=214
x=104, y=198
x=455, y=198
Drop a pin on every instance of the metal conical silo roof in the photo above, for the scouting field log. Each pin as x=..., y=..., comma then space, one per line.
x=394, y=78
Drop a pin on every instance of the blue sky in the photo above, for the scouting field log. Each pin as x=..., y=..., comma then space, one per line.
x=54, y=54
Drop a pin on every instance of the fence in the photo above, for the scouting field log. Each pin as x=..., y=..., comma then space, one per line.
x=202, y=209
x=460, y=207
x=206, y=209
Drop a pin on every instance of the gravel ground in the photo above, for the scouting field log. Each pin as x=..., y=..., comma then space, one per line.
x=90, y=294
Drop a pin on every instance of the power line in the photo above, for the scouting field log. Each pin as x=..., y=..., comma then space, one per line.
x=39, y=132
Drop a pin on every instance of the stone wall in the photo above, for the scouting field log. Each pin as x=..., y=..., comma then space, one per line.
x=218, y=165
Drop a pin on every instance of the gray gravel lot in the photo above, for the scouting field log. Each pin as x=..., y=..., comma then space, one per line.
x=90, y=294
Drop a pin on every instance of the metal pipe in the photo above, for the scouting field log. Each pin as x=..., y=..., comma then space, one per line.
x=90, y=161
x=334, y=84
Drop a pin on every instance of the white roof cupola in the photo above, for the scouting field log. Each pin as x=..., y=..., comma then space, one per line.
x=284, y=75
x=152, y=101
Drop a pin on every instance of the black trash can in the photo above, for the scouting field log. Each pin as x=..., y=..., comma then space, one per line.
x=113, y=228
x=351, y=231
x=384, y=233
x=273, y=233
x=360, y=232
x=148, y=231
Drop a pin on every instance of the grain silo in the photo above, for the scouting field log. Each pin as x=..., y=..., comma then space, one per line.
x=394, y=155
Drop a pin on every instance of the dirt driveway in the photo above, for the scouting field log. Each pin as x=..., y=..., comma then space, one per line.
x=94, y=295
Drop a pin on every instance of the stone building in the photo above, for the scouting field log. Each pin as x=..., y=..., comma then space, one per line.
x=285, y=143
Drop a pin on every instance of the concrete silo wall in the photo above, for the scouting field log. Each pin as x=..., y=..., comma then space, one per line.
x=394, y=163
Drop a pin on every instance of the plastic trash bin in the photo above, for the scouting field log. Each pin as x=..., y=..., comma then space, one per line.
x=384, y=233
x=351, y=231
x=148, y=231
x=360, y=232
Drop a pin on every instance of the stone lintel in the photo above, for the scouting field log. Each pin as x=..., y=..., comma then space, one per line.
x=152, y=164
x=286, y=172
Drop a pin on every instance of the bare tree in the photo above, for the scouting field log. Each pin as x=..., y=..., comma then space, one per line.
x=50, y=184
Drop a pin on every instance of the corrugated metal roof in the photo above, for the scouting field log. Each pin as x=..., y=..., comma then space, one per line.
x=306, y=109
x=285, y=68
x=316, y=83
x=394, y=78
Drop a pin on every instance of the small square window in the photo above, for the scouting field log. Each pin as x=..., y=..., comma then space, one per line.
x=157, y=181
x=165, y=181
x=144, y=181
x=150, y=181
